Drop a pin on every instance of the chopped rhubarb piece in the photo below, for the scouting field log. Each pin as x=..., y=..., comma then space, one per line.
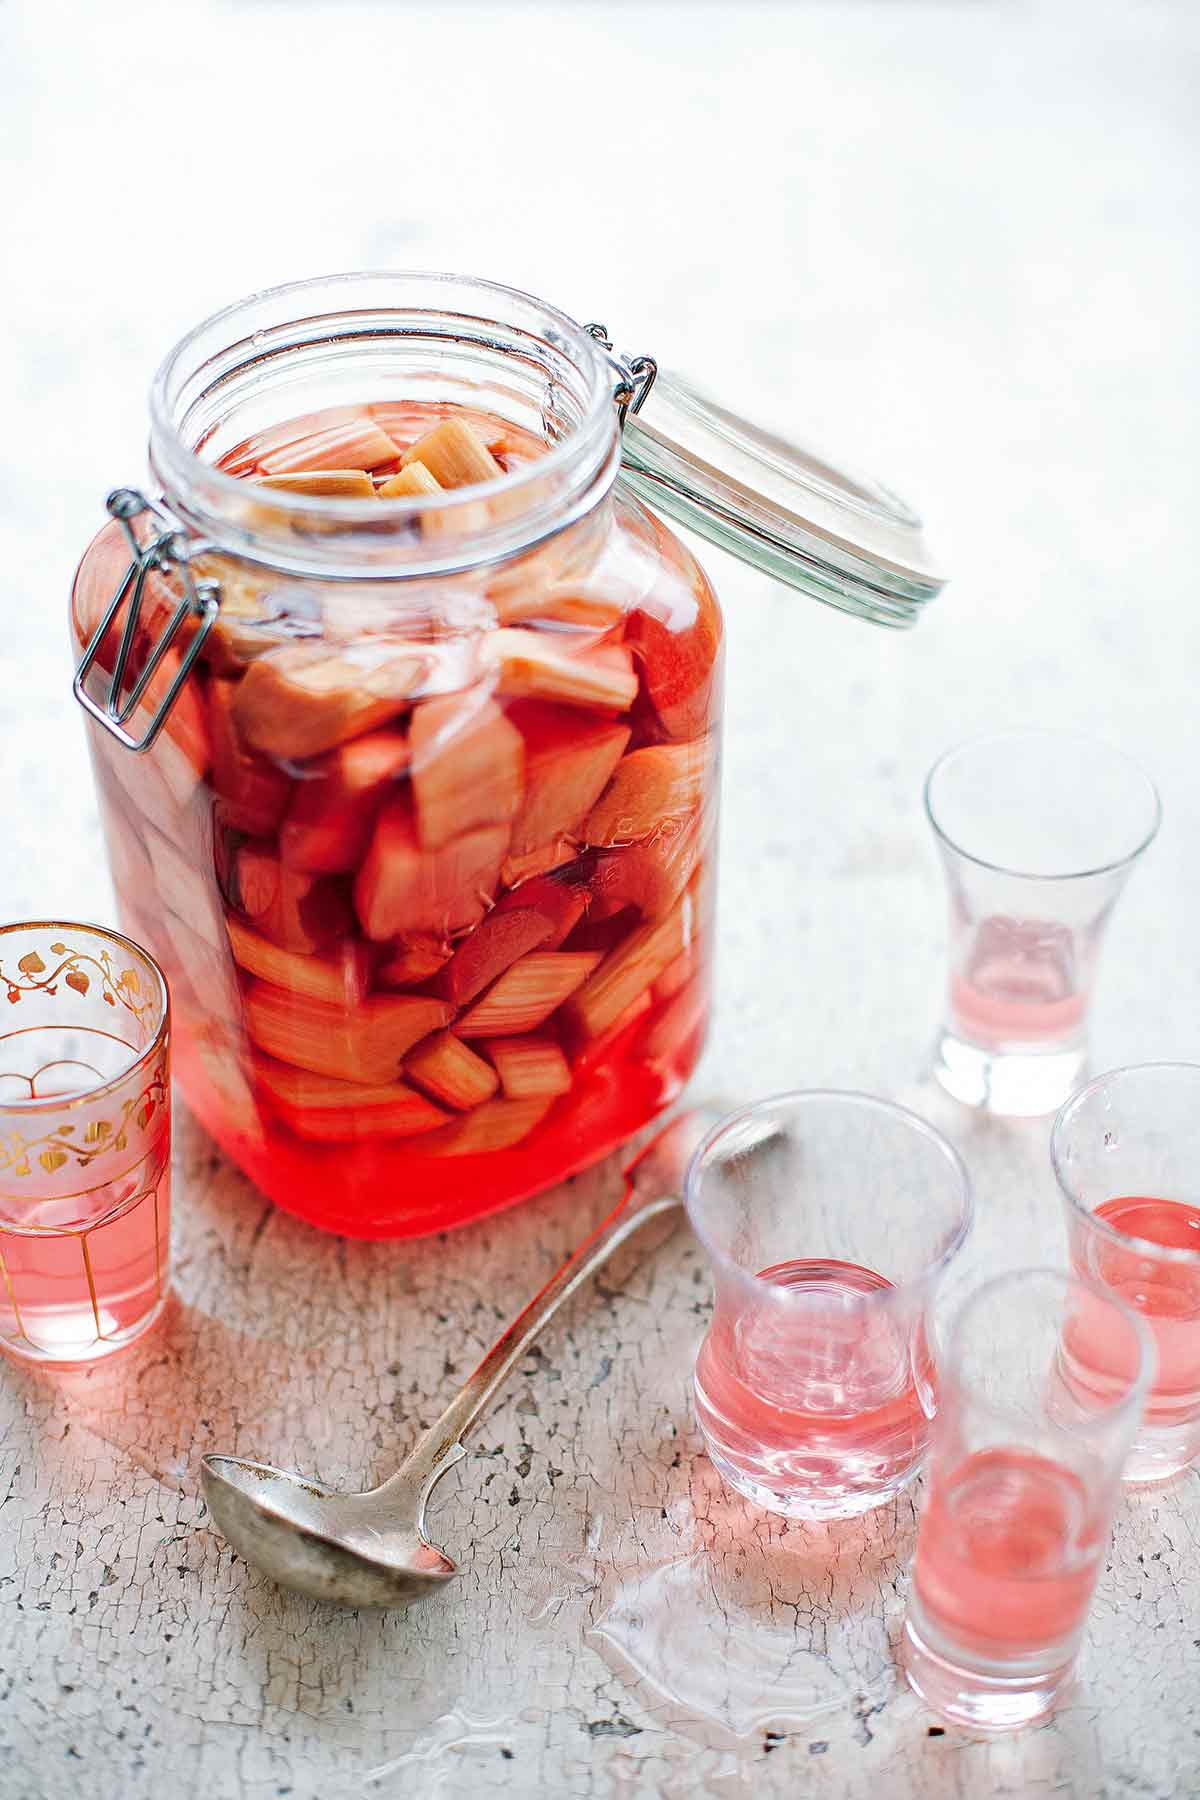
x=363, y=1043
x=339, y=976
x=183, y=751
x=259, y=613
x=593, y=1052
x=516, y=869
x=537, y=665
x=142, y=785
x=202, y=979
x=245, y=457
x=561, y=899
x=538, y=915
x=451, y=1072
x=321, y=1093
x=295, y=909
x=569, y=761
x=528, y=992
x=357, y=443
x=402, y=889
x=671, y=1032
x=254, y=886
x=559, y=603
x=467, y=766
x=629, y=970
x=331, y=1111
x=99, y=576
x=679, y=635
x=124, y=837
x=530, y=1068
x=405, y=1114
x=454, y=455
x=337, y=800
x=410, y=960
x=413, y=479
x=253, y=790
x=652, y=786
x=183, y=889
x=677, y=974
x=328, y=484
x=496, y=1125
x=494, y=945
x=513, y=446
x=407, y=420
x=299, y=701
x=649, y=875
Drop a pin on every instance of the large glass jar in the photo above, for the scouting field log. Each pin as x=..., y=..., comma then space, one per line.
x=417, y=805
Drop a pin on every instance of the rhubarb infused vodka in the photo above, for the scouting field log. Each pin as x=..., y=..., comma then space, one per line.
x=430, y=873
x=809, y=1399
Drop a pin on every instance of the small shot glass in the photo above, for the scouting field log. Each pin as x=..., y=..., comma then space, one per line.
x=828, y=1218
x=85, y=1141
x=1126, y=1154
x=1038, y=833
x=1022, y=1477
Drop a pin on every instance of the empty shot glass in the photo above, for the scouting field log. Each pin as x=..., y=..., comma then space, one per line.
x=85, y=1141
x=1023, y=1473
x=1038, y=833
x=1126, y=1154
x=828, y=1218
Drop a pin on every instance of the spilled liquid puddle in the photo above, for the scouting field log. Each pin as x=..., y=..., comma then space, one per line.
x=743, y=1667
x=728, y=1624
x=455, y=1731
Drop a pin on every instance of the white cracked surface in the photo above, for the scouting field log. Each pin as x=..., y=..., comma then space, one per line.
x=957, y=240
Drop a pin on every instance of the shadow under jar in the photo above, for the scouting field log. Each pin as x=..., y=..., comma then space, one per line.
x=417, y=806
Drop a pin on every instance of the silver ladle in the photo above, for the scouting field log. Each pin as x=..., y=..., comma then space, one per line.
x=371, y=1549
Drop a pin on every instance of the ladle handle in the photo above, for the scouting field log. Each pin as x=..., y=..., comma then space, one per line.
x=644, y=1198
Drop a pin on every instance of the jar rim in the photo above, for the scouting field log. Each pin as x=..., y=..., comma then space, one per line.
x=583, y=463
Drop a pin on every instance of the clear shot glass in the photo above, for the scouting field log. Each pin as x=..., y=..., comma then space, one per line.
x=828, y=1218
x=1126, y=1153
x=85, y=1142
x=1038, y=833
x=1022, y=1477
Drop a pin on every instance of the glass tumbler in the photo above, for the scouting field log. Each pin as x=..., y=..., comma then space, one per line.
x=1038, y=833
x=85, y=1141
x=1126, y=1152
x=1023, y=1472
x=828, y=1218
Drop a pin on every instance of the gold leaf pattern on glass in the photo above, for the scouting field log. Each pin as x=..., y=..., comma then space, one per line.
x=100, y=1137
x=118, y=990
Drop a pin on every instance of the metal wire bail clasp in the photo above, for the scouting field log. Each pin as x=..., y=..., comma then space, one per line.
x=168, y=550
x=635, y=375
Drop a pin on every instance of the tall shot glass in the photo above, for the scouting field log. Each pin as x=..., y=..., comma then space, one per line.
x=1126, y=1154
x=1038, y=833
x=85, y=1141
x=1023, y=1473
x=828, y=1218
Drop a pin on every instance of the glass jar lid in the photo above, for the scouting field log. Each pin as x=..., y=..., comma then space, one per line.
x=779, y=507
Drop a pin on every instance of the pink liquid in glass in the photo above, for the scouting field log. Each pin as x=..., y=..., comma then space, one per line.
x=1167, y=1293
x=1007, y=1557
x=1018, y=985
x=94, y=1279
x=805, y=1390
x=81, y=1272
